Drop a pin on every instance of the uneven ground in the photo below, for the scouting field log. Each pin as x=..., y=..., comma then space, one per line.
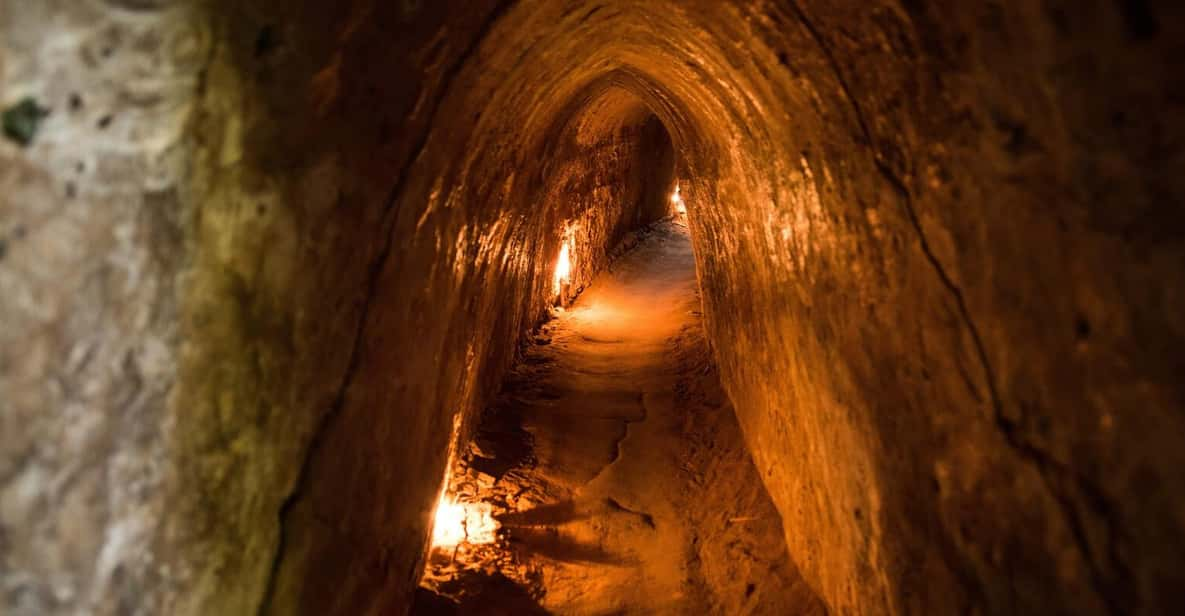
x=634, y=493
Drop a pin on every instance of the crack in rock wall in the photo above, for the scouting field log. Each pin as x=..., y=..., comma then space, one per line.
x=259, y=255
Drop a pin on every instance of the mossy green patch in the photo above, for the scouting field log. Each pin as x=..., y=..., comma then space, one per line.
x=22, y=120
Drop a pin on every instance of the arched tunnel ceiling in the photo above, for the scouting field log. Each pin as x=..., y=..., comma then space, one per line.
x=939, y=251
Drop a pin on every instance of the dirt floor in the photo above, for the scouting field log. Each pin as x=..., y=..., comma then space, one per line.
x=616, y=468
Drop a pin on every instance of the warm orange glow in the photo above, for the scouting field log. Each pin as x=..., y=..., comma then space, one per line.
x=456, y=523
x=563, y=269
x=677, y=199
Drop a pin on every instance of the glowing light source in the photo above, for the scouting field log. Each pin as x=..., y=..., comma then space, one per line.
x=677, y=199
x=563, y=268
x=456, y=523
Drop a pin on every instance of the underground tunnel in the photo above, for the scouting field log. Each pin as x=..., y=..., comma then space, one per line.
x=592, y=307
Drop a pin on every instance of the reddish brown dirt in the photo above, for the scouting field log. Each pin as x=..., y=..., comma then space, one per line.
x=618, y=469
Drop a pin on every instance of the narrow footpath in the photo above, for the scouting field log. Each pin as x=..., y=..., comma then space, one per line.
x=615, y=468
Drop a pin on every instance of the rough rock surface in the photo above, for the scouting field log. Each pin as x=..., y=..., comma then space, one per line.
x=260, y=254
x=93, y=233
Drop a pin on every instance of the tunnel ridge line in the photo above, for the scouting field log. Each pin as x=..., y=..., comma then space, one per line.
x=1046, y=464
x=390, y=217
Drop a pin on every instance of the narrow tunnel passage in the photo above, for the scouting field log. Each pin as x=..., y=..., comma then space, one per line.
x=615, y=468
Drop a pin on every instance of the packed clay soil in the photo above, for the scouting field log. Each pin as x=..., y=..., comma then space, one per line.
x=617, y=469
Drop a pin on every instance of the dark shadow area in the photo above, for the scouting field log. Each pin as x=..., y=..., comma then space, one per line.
x=476, y=593
x=550, y=543
x=501, y=443
x=544, y=515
